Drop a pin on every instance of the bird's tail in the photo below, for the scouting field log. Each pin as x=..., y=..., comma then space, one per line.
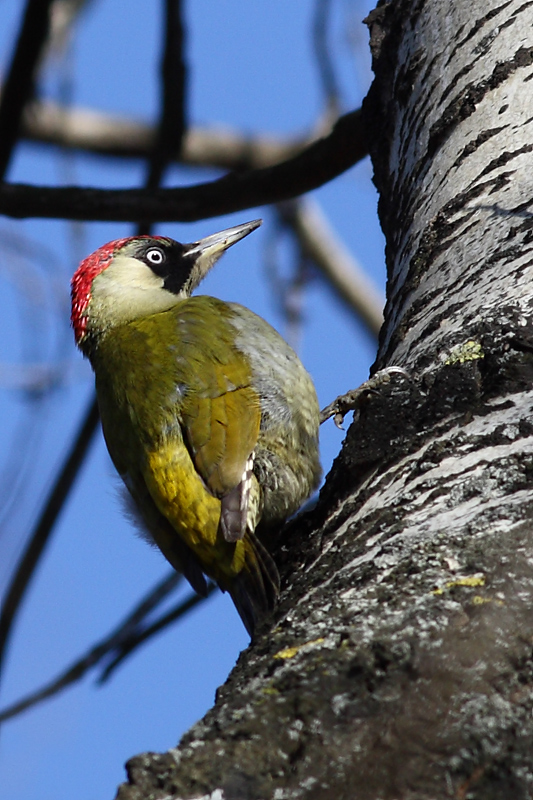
x=255, y=589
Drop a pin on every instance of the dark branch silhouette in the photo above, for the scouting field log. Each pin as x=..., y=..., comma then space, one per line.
x=18, y=87
x=316, y=165
x=172, y=124
x=44, y=526
x=120, y=643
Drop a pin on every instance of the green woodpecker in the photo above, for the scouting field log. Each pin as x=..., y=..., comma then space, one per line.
x=209, y=416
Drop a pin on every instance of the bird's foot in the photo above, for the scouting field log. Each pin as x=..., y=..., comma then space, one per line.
x=352, y=399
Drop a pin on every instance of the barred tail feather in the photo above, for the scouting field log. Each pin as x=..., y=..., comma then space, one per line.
x=255, y=589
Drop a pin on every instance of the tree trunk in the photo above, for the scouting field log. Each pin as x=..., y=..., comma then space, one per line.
x=399, y=664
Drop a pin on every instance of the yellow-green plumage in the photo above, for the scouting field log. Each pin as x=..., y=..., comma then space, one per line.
x=183, y=422
x=209, y=417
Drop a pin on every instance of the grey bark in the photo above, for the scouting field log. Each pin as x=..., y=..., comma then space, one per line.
x=399, y=663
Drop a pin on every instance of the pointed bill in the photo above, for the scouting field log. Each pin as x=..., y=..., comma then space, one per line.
x=207, y=251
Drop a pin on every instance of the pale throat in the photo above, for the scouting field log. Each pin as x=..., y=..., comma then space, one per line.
x=127, y=290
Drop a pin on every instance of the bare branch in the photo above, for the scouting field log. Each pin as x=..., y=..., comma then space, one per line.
x=113, y=135
x=129, y=635
x=45, y=525
x=320, y=243
x=172, y=123
x=18, y=87
x=216, y=147
x=133, y=642
x=64, y=15
x=316, y=165
x=288, y=291
x=211, y=147
x=323, y=57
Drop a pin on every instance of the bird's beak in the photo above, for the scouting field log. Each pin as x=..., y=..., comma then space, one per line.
x=207, y=251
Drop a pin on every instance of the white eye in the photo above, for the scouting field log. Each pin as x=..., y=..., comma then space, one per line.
x=155, y=256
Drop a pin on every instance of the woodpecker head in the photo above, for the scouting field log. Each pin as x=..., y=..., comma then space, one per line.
x=132, y=278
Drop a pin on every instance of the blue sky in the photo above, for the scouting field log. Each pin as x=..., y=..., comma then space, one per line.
x=252, y=68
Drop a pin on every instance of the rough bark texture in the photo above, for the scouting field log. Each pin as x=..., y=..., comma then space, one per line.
x=400, y=662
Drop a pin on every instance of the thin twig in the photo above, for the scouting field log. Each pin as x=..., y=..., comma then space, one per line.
x=18, y=87
x=44, y=526
x=64, y=16
x=323, y=246
x=172, y=123
x=131, y=644
x=125, y=638
x=323, y=58
x=287, y=292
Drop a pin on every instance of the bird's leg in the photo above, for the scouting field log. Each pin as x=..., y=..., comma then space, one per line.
x=352, y=399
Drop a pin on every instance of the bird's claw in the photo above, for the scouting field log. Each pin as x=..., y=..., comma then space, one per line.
x=352, y=399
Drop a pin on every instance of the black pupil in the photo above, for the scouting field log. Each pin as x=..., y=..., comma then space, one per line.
x=155, y=256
